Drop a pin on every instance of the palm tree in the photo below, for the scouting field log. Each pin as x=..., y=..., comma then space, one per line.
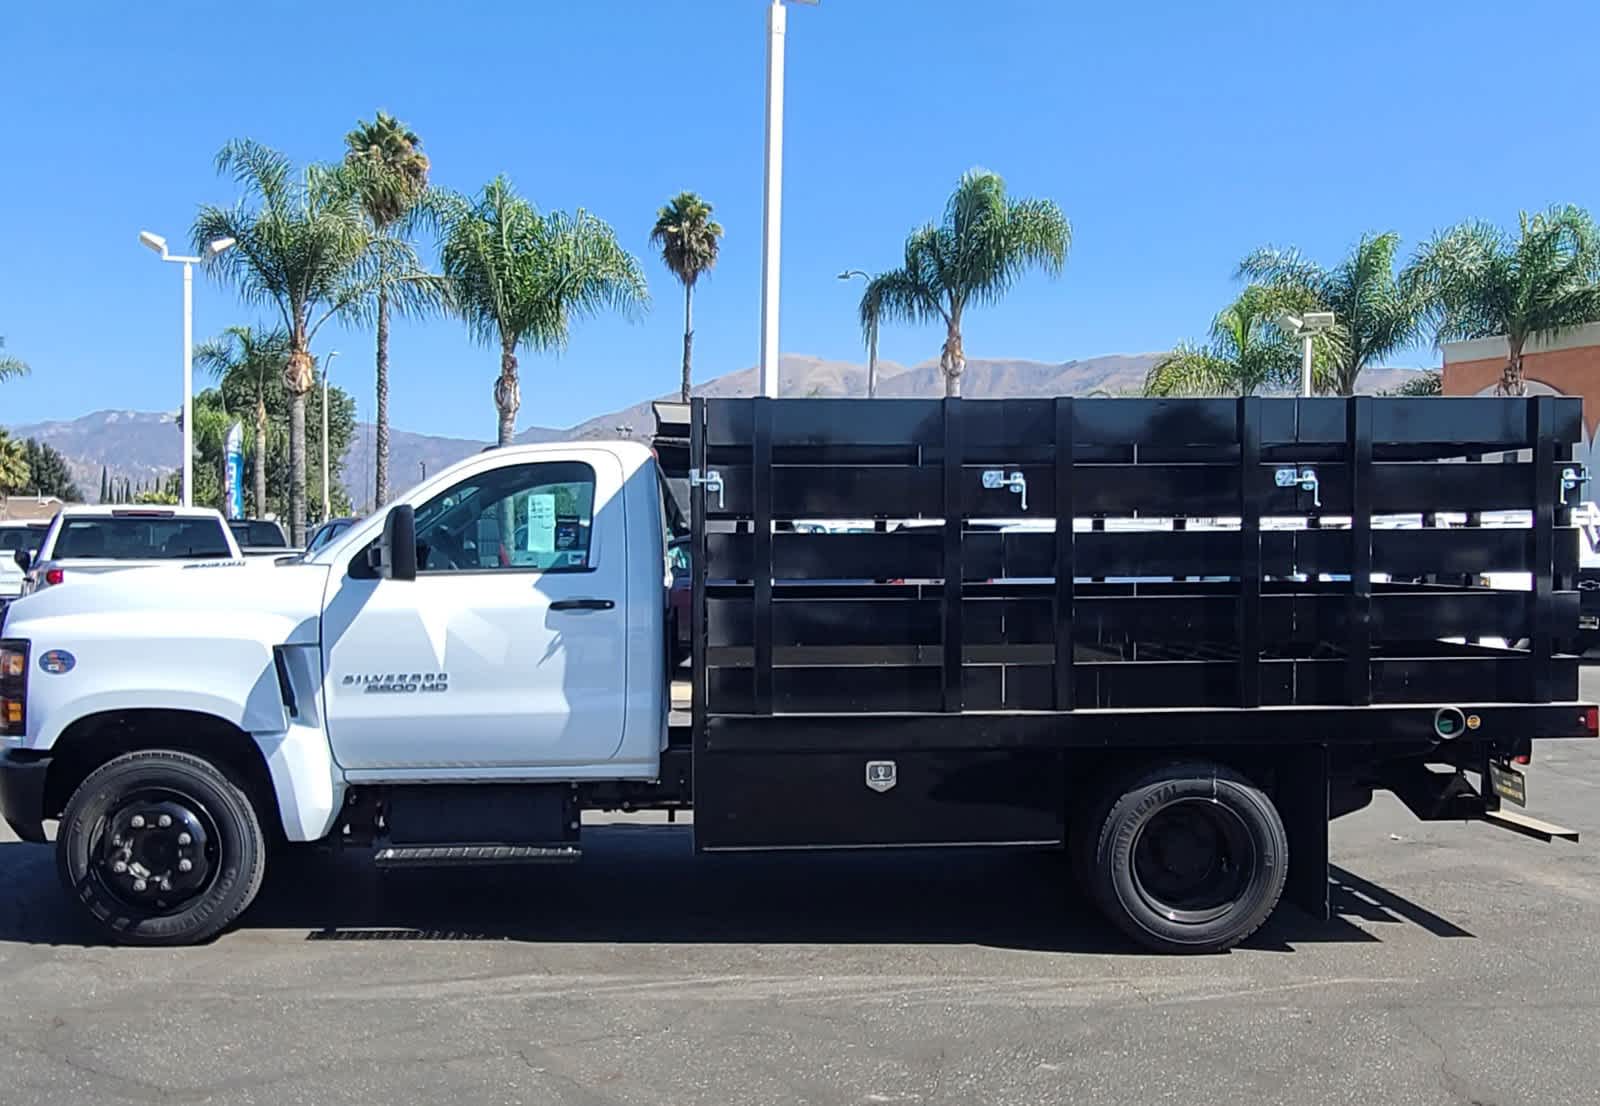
x=1477, y=281
x=305, y=248
x=688, y=237
x=251, y=362
x=10, y=366
x=13, y=464
x=1246, y=354
x=985, y=243
x=394, y=178
x=519, y=278
x=1374, y=317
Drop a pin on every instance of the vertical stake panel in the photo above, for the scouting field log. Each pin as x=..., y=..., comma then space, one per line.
x=1358, y=446
x=761, y=510
x=951, y=701
x=1249, y=615
x=1064, y=569
x=699, y=681
x=1541, y=435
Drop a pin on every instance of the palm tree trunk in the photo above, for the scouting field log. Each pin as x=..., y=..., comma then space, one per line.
x=507, y=395
x=297, y=470
x=380, y=481
x=1512, y=382
x=952, y=360
x=688, y=335
x=298, y=378
x=261, y=456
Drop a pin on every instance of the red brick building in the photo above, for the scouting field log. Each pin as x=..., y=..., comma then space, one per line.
x=1567, y=365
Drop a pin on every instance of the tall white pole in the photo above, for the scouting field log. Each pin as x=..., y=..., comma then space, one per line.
x=772, y=211
x=188, y=384
x=1305, y=364
x=327, y=509
x=327, y=363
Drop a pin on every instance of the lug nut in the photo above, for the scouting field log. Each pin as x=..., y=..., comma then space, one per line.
x=166, y=884
x=119, y=867
x=184, y=839
x=185, y=864
x=139, y=885
x=164, y=821
x=137, y=821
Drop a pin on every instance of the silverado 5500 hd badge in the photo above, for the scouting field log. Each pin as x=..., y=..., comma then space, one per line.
x=398, y=683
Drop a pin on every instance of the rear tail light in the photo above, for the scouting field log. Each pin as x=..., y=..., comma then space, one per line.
x=1522, y=758
x=1591, y=721
x=54, y=576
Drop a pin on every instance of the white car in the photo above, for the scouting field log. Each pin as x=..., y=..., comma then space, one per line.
x=89, y=541
x=17, y=537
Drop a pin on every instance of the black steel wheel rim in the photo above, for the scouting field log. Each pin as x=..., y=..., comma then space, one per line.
x=156, y=850
x=1192, y=860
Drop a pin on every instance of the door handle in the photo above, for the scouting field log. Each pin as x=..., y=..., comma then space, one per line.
x=582, y=605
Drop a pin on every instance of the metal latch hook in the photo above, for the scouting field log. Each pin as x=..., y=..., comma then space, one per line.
x=1573, y=477
x=1305, y=479
x=1016, y=483
x=711, y=479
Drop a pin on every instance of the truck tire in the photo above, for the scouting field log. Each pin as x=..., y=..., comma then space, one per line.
x=1189, y=857
x=161, y=848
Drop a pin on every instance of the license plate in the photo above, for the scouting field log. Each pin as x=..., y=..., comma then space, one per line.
x=1508, y=783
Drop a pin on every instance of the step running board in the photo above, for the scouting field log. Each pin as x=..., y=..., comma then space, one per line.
x=455, y=856
x=1528, y=826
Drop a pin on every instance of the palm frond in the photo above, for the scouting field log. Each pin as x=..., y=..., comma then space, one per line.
x=687, y=236
x=520, y=277
x=11, y=366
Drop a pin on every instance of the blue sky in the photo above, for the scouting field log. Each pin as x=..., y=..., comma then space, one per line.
x=1176, y=136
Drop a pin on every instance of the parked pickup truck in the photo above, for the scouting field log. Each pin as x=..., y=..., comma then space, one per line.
x=17, y=537
x=84, y=542
x=260, y=537
x=457, y=678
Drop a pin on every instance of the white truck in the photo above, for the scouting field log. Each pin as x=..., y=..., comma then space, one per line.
x=88, y=541
x=457, y=678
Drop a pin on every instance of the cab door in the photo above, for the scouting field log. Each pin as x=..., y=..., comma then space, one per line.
x=507, y=650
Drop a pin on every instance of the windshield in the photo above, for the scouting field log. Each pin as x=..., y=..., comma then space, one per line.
x=140, y=539
x=258, y=533
x=22, y=537
x=327, y=532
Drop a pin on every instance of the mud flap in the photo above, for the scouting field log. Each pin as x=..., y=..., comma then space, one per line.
x=1303, y=805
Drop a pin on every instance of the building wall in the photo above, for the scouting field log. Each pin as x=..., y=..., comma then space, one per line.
x=1568, y=365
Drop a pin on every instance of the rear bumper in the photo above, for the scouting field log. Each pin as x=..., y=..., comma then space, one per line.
x=22, y=775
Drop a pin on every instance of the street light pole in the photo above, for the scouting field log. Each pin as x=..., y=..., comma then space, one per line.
x=872, y=338
x=772, y=207
x=327, y=363
x=1305, y=327
x=213, y=248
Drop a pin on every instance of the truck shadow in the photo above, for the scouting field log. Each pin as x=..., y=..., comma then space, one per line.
x=644, y=885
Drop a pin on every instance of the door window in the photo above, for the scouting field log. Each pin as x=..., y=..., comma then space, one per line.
x=520, y=518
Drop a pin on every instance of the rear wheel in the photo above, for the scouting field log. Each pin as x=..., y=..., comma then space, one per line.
x=1189, y=858
x=161, y=848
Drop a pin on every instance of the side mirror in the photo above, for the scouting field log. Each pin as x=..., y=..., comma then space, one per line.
x=23, y=558
x=397, y=549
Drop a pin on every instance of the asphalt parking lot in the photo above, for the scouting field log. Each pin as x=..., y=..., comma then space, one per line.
x=1463, y=967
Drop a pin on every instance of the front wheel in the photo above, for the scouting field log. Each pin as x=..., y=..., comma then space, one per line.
x=1189, y=858
x=161, y=848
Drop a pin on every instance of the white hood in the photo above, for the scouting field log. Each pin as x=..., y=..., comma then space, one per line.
x=145, y=602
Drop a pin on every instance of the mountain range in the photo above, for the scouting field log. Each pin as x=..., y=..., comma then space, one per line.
x=140, y=445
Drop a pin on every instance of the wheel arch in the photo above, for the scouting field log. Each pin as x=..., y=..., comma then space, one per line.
x=95, y=739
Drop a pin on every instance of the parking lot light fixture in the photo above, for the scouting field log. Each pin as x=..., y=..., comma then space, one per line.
x=159, y=244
